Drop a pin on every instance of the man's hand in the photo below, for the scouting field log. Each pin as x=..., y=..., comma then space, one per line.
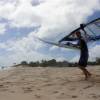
x=68, y=43
x=59, y=41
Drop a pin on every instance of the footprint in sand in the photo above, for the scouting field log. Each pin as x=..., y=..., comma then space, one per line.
x=63, y=95
x=12, y=91
x=89, y=86
x=74, y=96
x=95, y=96
x=38, y=89
x=49, y=84
x=37, y=96
x=54, y=92
x=3, y=87
x=27, y=89
x=72, y=89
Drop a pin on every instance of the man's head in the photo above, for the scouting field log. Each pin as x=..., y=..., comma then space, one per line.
x=78, y=34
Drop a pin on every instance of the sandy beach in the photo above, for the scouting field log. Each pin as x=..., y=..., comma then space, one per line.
x=31, y=83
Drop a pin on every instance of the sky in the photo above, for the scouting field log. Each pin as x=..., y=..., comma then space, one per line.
x=22, y=20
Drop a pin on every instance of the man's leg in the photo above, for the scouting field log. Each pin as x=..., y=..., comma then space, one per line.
x=85, y=72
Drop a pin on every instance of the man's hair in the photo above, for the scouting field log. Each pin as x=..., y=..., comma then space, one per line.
x=78, y=34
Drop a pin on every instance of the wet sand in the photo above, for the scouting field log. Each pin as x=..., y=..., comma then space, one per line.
x=31, y=83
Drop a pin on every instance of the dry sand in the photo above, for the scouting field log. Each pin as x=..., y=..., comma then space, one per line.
x=27, y=83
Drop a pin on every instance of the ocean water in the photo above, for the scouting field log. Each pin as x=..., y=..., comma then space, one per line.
x=4, y=67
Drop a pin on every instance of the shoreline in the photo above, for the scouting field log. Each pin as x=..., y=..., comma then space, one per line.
x=6, y=68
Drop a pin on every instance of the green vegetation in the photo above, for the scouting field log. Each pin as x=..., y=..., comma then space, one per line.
x=54, y=63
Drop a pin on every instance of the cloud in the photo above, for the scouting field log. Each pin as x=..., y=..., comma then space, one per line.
x=75, y=59
x=2, y=28
x=94, y=52
x=63, y=16
x=20, y=13
x=6, y=9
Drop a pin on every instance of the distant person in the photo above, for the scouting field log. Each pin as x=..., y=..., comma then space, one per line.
x=83, y=55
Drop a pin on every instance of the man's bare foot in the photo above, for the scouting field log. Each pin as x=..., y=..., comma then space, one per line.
x=87, y=76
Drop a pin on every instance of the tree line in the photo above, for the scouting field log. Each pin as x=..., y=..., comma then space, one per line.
x=54, y=63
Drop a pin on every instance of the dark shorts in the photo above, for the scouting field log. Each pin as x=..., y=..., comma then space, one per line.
x=83, y=60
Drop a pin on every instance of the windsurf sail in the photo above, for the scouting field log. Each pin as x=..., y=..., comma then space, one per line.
x=66, y=45
x=90, y=31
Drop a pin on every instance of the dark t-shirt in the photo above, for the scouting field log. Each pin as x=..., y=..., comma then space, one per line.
x=83, y=52
x=83, y=47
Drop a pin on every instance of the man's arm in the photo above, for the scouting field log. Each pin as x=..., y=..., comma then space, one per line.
x=74, y=45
